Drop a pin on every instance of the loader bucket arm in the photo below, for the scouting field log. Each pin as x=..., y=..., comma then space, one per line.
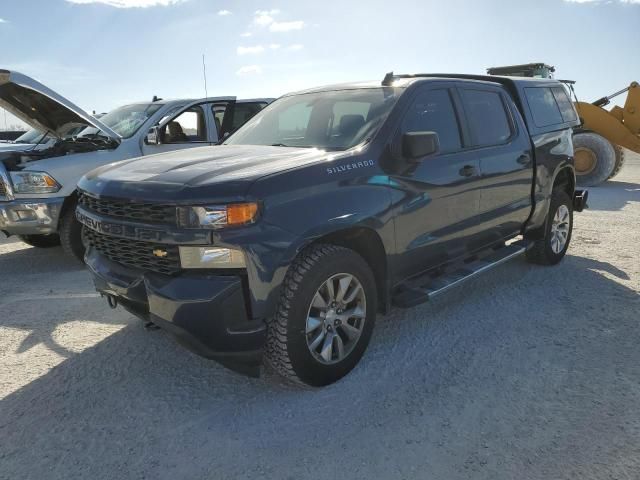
x=621, y=126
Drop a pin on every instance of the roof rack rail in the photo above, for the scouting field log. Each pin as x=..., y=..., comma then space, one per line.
x=390, y=77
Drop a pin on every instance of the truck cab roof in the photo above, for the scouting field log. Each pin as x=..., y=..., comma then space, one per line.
x=518, y=89
x=405, y=80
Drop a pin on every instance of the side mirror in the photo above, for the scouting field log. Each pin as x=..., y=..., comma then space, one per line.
x=153, y=137
x=416, y=145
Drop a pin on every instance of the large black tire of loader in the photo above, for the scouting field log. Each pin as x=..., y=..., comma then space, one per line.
x=70, y=231
x=600, y=158
x=619, y=161
x=41, y=241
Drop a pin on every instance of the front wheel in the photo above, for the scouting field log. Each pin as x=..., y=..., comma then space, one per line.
x=324, y=318
x=552, y=247
x=41, y=241
x=70, y=231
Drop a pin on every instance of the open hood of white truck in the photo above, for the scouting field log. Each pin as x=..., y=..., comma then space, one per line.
x=42, y=108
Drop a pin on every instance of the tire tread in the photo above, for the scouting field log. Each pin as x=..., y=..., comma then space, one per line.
x=277, y=355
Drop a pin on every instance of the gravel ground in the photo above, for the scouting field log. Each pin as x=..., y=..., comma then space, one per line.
x=529, y=372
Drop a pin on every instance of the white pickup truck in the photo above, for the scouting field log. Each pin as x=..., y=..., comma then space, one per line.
x=38, y=186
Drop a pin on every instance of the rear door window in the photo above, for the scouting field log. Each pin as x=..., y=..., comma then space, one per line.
x=244, y=112
x=564, y=104
x=544, y=108
x=488, y=119
x=433, y=111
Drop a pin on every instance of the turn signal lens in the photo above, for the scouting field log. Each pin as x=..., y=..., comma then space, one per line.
x=241, y=213
x=217, y=216
x=27, y=181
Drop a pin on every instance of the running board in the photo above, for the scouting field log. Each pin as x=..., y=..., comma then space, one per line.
x=423, y=289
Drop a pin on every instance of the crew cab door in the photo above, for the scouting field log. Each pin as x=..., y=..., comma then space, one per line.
x=436, y=199
x=229, y=117
x=186, y=127
x=501, y=144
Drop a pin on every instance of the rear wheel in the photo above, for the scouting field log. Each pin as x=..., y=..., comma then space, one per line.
x=324, y=318
x=41, y=241
x=595, y=159
x=552, y=247
x=70, y=231
x=619, y=160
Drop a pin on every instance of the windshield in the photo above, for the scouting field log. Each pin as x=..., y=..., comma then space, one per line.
x=31, y=136
x=332, y=120
x=126, y=120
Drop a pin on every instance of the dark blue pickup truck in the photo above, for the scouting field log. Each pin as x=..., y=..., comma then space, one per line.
x=331, y=205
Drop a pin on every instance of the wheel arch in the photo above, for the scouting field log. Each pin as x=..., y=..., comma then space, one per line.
x=565, y=178
x=70, y=201
x=367, y=243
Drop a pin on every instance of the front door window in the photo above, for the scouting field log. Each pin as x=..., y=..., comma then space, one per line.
x=188, y=127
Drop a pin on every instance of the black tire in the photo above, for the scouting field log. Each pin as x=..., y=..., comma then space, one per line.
x=619, y=161
x=542, y=251
x=41, y=241
x=287, y=350
x=595, y=159
x=70, y=231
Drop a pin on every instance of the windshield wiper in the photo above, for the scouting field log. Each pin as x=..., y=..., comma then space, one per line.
x=291, y=146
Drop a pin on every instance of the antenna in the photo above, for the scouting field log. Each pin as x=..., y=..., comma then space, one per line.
x=204, y=74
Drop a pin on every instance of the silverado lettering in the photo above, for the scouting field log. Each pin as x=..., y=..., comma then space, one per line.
x=118, y=230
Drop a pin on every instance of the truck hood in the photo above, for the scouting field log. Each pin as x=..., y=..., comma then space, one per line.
x=42, y=108
x=198, y=173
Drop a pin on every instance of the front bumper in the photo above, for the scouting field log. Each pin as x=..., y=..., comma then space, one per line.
x=206, y=313
x=30, y=216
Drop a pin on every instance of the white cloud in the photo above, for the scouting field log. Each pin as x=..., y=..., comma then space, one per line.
x=246, y=34
x=129, y=3
x=264, y=17
x=274, y=46
x=250, y=50
x=296, y=47
x=224, y=13
x=286, y=26
x=249, y=70
x=2, y=20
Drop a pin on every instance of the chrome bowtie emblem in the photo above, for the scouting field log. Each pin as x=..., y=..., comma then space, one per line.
x=160, y=253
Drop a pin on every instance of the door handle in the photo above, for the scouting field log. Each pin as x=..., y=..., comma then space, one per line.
x=524, y=160
x=468, y=171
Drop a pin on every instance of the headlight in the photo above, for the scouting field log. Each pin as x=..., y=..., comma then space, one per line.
x=34, y=182
x=218, y=216
x=211, y=257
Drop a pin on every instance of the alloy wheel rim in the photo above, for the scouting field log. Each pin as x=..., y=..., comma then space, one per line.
x=335, y=319
x=560, y=229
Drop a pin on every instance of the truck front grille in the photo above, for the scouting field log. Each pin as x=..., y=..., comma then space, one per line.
x=144, y=212
x=147, y=256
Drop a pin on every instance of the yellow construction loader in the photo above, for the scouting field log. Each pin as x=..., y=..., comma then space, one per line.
x=600, y=141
